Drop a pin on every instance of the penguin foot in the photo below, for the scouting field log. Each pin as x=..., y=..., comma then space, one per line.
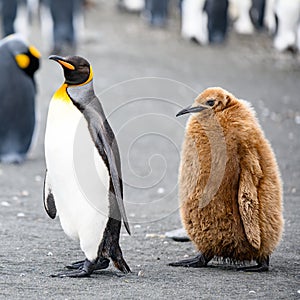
x=84, y=270
x=262, y=266
x=74, y=273
x=101, y=264
x=256, y=268
x=197, y=262
x=76, y=265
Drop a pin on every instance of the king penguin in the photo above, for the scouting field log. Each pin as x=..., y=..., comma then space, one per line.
x=90, y=205
x=230, y=188
x=18, y=64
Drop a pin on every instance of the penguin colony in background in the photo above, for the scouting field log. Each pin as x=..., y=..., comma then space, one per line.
x=235, y=213
x=94, y=216
x=18, y=64
x=206, y=21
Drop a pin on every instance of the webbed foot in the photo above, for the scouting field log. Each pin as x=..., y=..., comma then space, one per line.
x=74, y=273
x=75, y=265
x=101, y=264
x=262, y=266
x=85, y=269
x=196, y=262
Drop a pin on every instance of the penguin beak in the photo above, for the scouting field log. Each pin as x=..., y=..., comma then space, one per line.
x=62, y=61
x=191, y=109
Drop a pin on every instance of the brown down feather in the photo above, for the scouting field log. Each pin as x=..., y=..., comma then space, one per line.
x=230, y=188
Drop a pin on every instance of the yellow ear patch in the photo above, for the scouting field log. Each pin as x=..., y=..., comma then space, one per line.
x=35, y=52
x=66, y=64
x=22, y=60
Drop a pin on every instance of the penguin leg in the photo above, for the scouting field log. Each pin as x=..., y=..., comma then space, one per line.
x=110, y=246
x=102, y=263
x=196, y=262
x=118, y=260
x=85, y=271
x=112, y=249
x=262, y=266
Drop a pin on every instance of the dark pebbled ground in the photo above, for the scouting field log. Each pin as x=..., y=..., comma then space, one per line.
x=143, y=77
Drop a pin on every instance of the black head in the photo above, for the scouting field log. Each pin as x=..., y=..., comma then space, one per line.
x=29, y=61
x=77, y=70
x=215, y=99
x=26, y=57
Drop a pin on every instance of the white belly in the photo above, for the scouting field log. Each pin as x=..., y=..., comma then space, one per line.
x=78, y=176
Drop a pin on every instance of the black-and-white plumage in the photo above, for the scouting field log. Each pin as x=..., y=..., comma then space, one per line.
x=83, y=181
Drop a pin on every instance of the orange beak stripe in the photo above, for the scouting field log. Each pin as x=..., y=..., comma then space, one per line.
x=67, y=65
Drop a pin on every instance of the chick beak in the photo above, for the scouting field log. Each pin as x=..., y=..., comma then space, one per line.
x=191, y=109
x=62, y=61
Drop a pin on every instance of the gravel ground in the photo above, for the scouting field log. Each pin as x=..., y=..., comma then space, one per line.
x=143, y=77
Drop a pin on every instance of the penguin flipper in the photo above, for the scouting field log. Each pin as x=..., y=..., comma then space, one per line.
x=103, y=139
x=248, y=201
x=48, y=199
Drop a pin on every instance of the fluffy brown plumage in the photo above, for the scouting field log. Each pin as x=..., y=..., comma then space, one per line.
x=229, y=184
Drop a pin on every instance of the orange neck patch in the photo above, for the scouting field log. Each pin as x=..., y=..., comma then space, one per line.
x=61, y=94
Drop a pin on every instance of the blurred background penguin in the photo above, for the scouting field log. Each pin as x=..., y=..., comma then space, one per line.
x=18, y=64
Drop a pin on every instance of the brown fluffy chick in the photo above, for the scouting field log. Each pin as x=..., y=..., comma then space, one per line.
x=230, y=189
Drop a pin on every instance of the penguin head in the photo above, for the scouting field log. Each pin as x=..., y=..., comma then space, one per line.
x=77, y=70
x=26, y=57
x=212, y=99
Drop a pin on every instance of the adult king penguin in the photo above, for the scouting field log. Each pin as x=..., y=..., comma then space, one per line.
x=19, y=61
x=90, y=207
x=229, y=184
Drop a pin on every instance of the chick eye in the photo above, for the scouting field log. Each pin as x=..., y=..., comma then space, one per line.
x=210, y=102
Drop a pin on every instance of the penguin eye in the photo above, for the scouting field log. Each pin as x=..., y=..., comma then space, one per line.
x=210, y=102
